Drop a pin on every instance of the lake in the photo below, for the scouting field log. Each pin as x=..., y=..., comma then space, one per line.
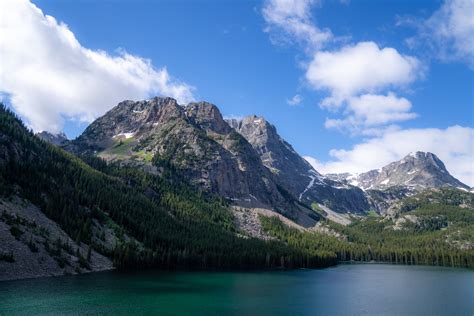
x=357, y=289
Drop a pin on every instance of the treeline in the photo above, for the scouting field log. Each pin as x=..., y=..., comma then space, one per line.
x=170, y=224
x=371, y=240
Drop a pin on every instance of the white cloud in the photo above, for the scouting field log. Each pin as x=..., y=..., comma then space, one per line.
x=360, y=68
x=449, y=32
x=355, y=76
x=454, y=145
x=290, y=20
x=365, y=114
x=50, y=76
x=295, y=100
x=380, y=109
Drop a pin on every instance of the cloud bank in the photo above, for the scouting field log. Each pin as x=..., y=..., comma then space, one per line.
x=51, y=77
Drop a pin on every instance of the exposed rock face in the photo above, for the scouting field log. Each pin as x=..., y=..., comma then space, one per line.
x=199, y=142
x=208, y=117
x=416, y=171
x=275, y=153
x=293, y=172
x=59, y=139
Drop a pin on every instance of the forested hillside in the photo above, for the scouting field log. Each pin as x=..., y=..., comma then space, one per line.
x=435, y=227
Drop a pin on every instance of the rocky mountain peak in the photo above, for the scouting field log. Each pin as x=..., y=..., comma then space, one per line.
x=293, y=172
x=274, y=151
x=130, y=119
x=420, y=158
x=58, y=139
x=255, y=127
x=207, y=116
x=416, y=171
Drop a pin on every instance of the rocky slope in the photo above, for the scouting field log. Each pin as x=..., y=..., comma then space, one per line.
x=32, y=245
x=295, y=173
x=197, y=140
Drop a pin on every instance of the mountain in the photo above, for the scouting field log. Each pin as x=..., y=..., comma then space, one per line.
x=60, y=214
x=294, y=173
x=199, y=143
x=415, y=172
x=59, y=139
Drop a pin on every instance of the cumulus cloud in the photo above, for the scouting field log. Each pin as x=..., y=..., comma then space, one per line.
x=351, y=74
x=295, y=100
x=50, y=76
x=366, y=113
x=454, y=145
x=448, y=33
x=363, y=67
x=290, y=20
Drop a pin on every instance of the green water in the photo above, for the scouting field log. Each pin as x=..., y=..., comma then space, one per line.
x=360, y=289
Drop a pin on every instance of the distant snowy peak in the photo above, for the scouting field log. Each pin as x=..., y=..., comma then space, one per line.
x=416, y=171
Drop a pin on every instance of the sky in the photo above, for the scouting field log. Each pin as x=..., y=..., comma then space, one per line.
x=352, y=85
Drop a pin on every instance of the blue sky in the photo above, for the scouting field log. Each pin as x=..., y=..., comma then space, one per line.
x=252, y=57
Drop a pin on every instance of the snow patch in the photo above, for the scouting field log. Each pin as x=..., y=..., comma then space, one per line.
x=126, y=135
x=310, y=185
x=386, y=181
x=339, y=187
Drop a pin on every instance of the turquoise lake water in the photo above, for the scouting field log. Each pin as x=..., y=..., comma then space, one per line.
x=358, y=289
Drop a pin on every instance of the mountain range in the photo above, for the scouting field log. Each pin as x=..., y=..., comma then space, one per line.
x=154, y=183
x=246, y=161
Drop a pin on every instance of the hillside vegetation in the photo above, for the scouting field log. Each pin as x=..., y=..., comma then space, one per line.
x=435, y=227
